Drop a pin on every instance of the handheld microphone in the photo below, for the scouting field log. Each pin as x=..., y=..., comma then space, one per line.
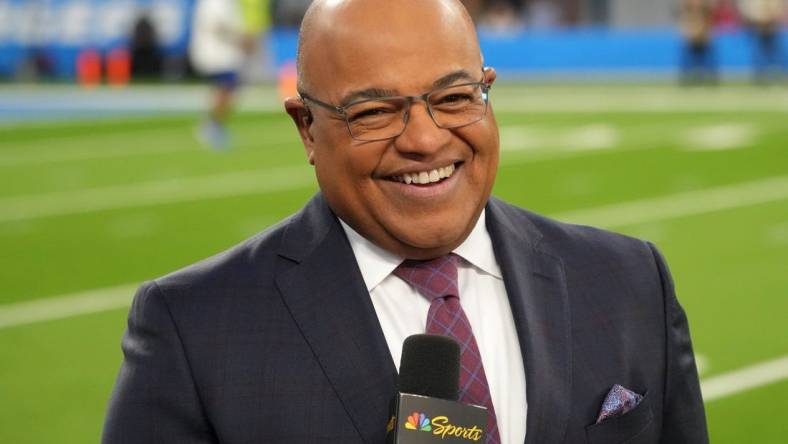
x=426, y=409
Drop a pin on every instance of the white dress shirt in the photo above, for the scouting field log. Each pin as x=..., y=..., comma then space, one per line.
x=402, y=311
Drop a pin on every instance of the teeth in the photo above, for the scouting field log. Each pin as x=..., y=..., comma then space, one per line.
x=425, y=177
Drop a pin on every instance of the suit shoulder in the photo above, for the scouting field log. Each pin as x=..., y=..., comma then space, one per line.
x=581, y=243
x=234, y=264
x=588, y=236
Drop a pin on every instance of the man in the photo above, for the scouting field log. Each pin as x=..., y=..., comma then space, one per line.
x=294, y=336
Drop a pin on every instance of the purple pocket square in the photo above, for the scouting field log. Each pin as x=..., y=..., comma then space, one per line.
x=618, y=401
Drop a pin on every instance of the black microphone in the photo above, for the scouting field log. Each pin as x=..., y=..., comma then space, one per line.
x=426, y=409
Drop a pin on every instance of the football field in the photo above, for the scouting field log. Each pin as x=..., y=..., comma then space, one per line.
x=91, y=207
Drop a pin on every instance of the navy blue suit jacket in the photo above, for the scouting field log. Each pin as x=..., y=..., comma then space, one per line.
x=277, y=341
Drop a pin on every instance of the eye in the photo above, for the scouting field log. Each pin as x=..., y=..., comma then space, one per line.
x=454, y=98
x=370, y=111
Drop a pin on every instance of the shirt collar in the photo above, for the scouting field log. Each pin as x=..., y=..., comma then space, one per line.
x=478, y=249
x=376, y=263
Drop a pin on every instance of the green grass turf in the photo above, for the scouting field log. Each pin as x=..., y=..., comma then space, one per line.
x=56, y=376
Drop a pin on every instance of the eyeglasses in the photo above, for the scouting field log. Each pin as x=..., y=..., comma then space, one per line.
x=384, y=118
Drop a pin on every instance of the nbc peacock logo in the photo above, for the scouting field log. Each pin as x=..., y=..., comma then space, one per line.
x=418, y=421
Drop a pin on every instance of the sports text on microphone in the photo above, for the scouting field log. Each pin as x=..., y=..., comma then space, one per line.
x=441, y=426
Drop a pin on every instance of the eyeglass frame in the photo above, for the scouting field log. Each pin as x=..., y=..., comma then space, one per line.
x=341, y=110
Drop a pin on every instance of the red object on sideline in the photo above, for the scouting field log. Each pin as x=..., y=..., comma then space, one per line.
x=89, y=68
x=118, y=67
x=288, y=80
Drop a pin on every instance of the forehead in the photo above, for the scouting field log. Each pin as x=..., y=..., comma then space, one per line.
x=391, y=45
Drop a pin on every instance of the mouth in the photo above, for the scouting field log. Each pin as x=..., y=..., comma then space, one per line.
x=426, y=177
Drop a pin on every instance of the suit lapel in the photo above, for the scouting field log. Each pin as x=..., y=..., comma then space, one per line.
x=324, y=291
x=535, y=283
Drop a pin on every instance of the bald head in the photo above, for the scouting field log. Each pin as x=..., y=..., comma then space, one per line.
x=360, y=55
x=334, y=30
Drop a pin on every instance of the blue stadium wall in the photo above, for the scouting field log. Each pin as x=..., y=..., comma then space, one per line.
x=583, y=52
x=61, y=28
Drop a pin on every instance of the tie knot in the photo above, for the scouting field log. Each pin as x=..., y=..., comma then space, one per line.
x=433, y=278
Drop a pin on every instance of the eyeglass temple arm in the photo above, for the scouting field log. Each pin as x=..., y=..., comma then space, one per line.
x=305, y=98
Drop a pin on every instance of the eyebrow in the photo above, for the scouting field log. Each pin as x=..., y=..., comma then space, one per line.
x=453, y=77
x=369, y=93
x=376, y=93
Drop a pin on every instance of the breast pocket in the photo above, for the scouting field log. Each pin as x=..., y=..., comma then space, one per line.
x=633, y=427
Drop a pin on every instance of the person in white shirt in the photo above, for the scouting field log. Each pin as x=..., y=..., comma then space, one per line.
x=220, y=46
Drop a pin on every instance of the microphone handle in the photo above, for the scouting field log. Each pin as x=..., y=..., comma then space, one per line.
x=420, y=419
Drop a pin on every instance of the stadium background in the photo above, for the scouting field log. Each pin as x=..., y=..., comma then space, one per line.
x=106, y=186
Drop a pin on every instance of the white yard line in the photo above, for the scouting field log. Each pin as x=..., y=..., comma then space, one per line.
x=682, y=204
x=743, y=379
x=66, y=306
x=71, y=149
x=35, y=157
x=721, y=136
x=549, y=141
x=155, y=193
x=62, y=154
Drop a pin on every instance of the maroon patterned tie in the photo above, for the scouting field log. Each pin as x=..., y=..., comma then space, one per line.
x=437, y=281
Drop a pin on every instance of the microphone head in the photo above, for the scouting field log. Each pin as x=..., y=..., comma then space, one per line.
x=430, y=366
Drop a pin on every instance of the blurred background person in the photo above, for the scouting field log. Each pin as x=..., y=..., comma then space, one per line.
x=224, y=38
x=288, y=13
x=500, y=17
x=726, y=16
x=764, y=19
x=698, y=65
x=146, y=56
x=543, y=14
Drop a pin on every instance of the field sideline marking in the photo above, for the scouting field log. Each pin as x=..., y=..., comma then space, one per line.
x=683, y=204
x=155, y=193
x=66, y=306
x=743, y=379
x=55, y=156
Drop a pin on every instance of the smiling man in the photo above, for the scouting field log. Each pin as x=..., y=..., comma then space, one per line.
x=569, y=334
x=364, y=154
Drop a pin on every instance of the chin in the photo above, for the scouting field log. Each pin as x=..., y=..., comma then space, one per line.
x=435, y=242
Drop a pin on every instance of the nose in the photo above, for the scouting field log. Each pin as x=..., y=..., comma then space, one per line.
x=421, y=137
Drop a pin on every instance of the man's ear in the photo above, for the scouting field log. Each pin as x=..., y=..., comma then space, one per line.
x=302, y=118
x=490, y=75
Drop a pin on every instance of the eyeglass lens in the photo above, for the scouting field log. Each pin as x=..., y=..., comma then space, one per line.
x=450, y=107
